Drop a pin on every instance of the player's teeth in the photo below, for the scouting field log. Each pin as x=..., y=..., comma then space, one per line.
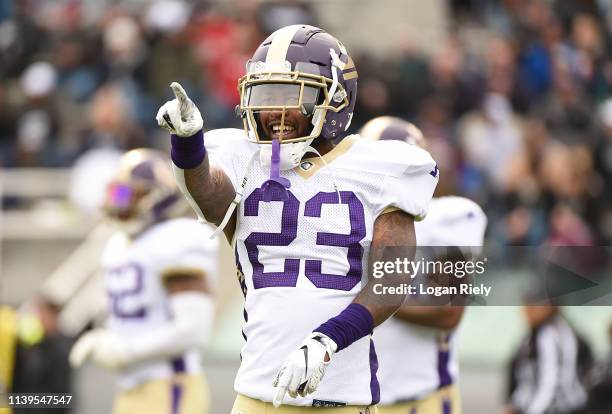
x=277, y=128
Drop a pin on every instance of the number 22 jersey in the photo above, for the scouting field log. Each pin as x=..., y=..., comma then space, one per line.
x=302, y=257
x=134, y=273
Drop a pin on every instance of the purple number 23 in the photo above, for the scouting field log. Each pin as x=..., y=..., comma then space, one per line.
x=289, y=226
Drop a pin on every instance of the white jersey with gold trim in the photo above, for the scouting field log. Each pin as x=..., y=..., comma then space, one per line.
x=303, y=253
x=138, y=302
x=415, y=361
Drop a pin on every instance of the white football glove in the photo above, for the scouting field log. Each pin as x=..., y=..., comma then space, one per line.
x=180, y=116
x=105, y=348
x=303, y=371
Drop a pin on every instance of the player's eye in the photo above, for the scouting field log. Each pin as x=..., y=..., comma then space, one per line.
x=274, y=94
x=293, y=100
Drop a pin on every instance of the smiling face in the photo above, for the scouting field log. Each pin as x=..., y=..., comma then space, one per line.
x=282, y=110
x=295, y=124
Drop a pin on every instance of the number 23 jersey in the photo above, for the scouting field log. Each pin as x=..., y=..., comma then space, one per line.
x=302, y=258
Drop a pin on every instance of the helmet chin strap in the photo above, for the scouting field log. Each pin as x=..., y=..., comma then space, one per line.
x=237, y=197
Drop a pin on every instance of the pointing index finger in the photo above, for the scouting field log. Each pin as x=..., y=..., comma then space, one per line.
x=179, y=92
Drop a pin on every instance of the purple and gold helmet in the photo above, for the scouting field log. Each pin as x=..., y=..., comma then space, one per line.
x=392, y=128
x=143, y=190
x=303, y=68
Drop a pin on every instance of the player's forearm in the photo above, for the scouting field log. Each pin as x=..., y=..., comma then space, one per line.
x=211, y=190
x=439, y=317
x=393, y=239
x=189, y=329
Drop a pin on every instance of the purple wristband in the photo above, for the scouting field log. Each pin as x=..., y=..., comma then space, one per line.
x=188, y=152
x=352, y=324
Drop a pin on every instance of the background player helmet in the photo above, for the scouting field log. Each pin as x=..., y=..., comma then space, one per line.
x=304, y=68
x=389, y=127
x=143, y=191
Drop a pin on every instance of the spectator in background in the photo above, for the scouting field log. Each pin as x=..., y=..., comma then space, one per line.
x=171, y=54
x=506, y=100
x=490, y=138
x=222, y=44
x=547, y=373
x=602, y=185
x=41, y=359
x=38, y=123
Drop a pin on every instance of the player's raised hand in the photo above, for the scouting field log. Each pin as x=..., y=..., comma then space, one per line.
x=303, y=371
x=180, y=116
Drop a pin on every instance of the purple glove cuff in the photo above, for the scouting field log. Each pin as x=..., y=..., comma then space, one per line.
x=188, y=152
x=352, y=324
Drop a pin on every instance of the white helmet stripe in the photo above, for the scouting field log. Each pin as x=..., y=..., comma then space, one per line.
x=277, y=52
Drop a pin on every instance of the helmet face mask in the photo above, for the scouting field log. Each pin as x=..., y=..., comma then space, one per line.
x=120, y=201
x=143, y=192
x=128, y=200
x=280, y=92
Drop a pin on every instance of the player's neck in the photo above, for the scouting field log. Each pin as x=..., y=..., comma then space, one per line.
x=322, y=145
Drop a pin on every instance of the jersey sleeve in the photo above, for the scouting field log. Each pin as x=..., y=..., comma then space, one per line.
x=467, y=226
x=411, y=179
x=453, y=221
x=229, y=151
x=191, y=251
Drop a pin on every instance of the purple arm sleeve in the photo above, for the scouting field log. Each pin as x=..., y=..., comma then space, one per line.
x=351, y=324
x=188, y=152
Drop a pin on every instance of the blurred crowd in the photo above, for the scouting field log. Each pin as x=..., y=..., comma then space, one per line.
x=516, y=107
x=516, y=102
x=79, y=75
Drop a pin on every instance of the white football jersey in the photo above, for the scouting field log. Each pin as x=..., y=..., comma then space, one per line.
x=138, y=302
x=413, y=360
x=303, y=257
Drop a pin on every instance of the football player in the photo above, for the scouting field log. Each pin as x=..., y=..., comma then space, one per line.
x=159, y=269
x=417, y=348
x=306, y=218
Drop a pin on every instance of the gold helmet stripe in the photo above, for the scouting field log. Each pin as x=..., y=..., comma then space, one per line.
x=277, y=52
x=350, y=75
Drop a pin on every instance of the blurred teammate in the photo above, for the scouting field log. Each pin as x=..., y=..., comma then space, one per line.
x=305, y=228
x=159, y=269
x=417, y=348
